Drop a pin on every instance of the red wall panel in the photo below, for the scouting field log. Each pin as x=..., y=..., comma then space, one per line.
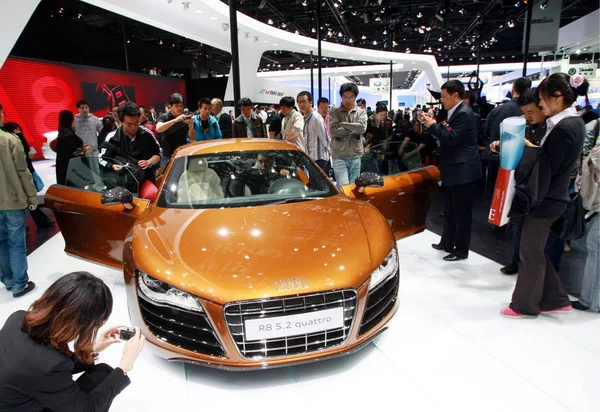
x=34, y=92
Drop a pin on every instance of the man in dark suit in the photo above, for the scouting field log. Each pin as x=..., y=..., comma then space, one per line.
x=223, y=118
x=460, y=167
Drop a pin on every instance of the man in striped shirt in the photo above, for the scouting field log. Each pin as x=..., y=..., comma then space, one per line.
x=315, y=134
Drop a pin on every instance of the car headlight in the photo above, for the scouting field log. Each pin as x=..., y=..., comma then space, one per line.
x=165, y=294
x=388, y=268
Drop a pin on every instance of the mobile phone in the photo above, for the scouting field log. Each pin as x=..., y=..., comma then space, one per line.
x=126, y=333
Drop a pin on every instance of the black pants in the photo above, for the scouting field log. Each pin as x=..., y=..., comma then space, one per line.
x=458, y=214
x=91, y=378
x=538, y=285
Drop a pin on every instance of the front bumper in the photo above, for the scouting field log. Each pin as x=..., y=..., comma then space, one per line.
x=372, y=312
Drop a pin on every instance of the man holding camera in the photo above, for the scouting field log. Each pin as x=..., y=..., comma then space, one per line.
x=174, y=127
x=460, y=167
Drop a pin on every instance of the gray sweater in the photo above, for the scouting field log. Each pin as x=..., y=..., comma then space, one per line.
x=88, y=128
x=347, y=129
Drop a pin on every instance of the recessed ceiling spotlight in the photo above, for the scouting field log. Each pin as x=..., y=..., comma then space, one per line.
x=544, y=5
x=419, y=15
x=385, y=31
x=270, y=22
x=364, y=37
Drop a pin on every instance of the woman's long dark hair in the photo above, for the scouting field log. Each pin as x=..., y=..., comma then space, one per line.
x=65, y=120
x=72, y=309
x=558, y=84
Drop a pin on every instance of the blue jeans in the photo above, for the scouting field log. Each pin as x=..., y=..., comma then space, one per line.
x=346, y=170
x=555, y=247
x=13, y=250
x=590, y=288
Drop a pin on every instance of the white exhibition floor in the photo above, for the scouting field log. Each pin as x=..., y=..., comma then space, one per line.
x=447, y=349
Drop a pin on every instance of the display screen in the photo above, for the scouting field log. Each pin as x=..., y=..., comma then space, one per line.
x=34, y=92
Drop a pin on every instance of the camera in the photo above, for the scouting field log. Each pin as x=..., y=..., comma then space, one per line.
x=186, y=113
x=126, y=333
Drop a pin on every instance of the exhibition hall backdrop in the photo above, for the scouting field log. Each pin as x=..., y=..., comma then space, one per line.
x=34, y=92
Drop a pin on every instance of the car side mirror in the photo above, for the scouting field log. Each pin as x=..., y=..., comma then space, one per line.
x=369, y=179
x=117, y=196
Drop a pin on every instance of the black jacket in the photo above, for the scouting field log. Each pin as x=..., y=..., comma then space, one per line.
x=34, y=376
x=258, y=127
x=459, y=157
x=497, y=115
x=225, y=125
x=68, y=143
x=561, y=153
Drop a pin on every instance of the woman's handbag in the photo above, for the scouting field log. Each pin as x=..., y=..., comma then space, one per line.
x=37, y=181
x=571, y=225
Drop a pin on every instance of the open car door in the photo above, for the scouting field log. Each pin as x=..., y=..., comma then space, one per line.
x=407, y=190
x=94, y=231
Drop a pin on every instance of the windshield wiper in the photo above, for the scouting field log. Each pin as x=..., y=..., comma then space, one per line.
x=294, y=200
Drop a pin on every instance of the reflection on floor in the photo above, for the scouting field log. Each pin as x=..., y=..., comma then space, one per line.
x=447, y=349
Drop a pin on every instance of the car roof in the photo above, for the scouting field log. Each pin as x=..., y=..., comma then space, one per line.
x=232, y=145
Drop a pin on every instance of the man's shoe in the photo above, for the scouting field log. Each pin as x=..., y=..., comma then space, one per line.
x=30, y=286
x=439, y=246
x=578, y=305
x=452, y=257
x=509, y=313
x=511, y=269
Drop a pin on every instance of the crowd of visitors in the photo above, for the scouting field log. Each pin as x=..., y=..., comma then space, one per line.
x=562, y=157
x=348, y=139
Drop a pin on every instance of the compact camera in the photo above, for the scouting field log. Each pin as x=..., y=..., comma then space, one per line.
x=126, y=333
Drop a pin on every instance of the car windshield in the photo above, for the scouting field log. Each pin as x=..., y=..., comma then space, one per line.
x=245, y=178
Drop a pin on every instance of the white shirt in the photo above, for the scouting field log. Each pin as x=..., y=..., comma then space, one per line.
x=248, y=122
x=451, y=111
x=554, y=120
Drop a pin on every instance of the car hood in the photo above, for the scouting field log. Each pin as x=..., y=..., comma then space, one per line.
x=232, y=254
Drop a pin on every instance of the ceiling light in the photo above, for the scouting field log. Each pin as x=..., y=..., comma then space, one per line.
x=199, y=11
x=350, y=41
x=385, y=31
x=296, y=32
x=283, y=25
x=544, y=5
x=441, y=38
x=213, y=18
x=270, y=22
x=419, y=15
x=314, y=30
x=364, y=37
x=578, y=51
x=375, y=43
x=511, y=24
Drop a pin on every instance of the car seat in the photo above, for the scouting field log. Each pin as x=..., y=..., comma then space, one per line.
x=199, y=182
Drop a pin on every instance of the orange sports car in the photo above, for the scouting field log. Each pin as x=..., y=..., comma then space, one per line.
x=244, y=254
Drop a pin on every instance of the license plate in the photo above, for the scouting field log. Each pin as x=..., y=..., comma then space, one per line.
x=291, y=325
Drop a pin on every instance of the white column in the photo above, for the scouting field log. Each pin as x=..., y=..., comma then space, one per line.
x=13, y=20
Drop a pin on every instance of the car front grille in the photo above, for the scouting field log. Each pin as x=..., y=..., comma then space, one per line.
x=237, y=313
x=380, y=302
x=187, y=330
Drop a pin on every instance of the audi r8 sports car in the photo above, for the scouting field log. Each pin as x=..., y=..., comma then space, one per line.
x=245, y=255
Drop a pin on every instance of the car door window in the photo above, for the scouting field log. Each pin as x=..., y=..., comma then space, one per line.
x=385, y=159
x=95, y=174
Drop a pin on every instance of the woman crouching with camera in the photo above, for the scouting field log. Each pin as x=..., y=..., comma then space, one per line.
x=36, y=363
